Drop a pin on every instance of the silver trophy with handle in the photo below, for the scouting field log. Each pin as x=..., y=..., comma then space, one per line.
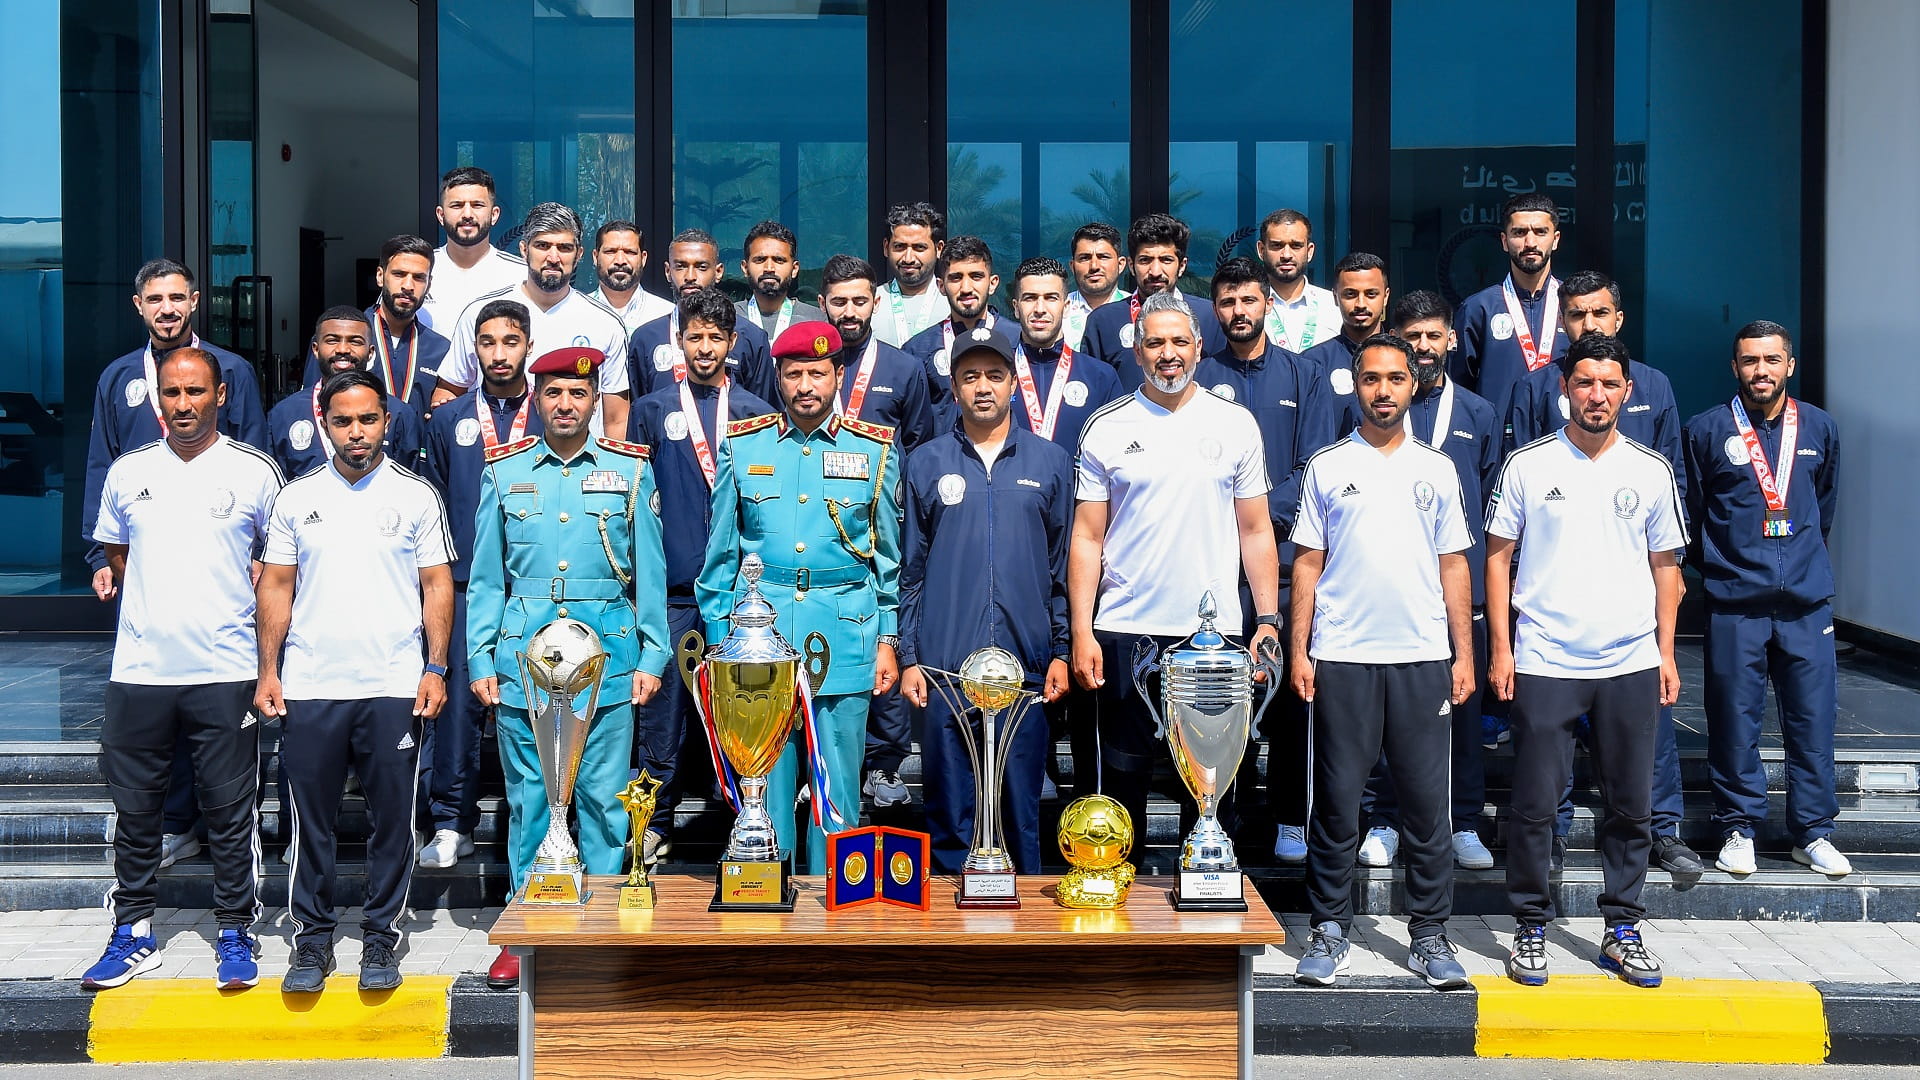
x=991, y=682
x=1207, y=716
x=564, y=659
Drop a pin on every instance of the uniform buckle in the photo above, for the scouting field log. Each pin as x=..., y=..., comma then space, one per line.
x=802, y=581
x=557, y=590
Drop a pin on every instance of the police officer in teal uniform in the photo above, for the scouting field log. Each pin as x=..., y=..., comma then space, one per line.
x=816, y=496
x=567, y=526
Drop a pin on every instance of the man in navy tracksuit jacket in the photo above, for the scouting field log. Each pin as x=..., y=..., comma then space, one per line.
x=1512, y=328
x=1157, y=255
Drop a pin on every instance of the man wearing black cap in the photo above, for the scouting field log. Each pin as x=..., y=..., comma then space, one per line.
x=986, y=485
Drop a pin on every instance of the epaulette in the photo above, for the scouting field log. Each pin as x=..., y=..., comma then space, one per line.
x=880, y=433
x=630, y=449
x=507, y=450
x=751, y=424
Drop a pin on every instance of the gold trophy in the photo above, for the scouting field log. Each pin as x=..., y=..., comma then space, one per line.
x=641, y=797
x=749, y=685
x=563, y=660
x=1095, y=836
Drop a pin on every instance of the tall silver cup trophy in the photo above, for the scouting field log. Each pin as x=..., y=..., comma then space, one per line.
x=1206, y=715
x=991, y=681
x=563, y=660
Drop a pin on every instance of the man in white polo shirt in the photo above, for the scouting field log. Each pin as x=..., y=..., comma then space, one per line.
x=563, y=316
x=1597, y=518
x=357, y=575
x=181, y=521
x=1383, y=647
x=1172, y=504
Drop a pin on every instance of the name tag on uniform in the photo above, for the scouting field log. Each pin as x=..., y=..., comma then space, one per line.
x=522, y=489
x=603, y=480
x=842, y=465
x=759, y=470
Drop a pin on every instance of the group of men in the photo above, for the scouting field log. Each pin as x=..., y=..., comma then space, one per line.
x=1413, y=505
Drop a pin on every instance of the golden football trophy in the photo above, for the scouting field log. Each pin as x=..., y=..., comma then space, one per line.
x=641, y=798
x=1095, y=836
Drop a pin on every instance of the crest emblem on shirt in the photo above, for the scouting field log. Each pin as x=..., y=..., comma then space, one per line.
x=1223, y=391
x=1626, y=503
x=136, y=393
x=1501, y=325
x=467, y=431
x=1210, y=450
x=942, y=362
x=653, y=502
x=663, y=357
x=1342, y=380
x=1423, y=496
x=1075, y=393
x=676, y=426
x=583, y=341
x=1566, y=408
x=1736, y=449
x=1126, y=336
x=389, y=521
x=222, y=506
x=300, y=434
x=953, y=488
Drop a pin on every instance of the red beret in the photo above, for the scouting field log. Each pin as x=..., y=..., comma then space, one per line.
x=814, y=340
x=575, y=360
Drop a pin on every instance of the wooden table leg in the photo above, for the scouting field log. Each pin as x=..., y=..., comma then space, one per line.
x=525, y=993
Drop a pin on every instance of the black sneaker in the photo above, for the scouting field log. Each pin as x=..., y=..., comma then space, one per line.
x=311, y=966
x=378, y=968
x=1557, y=861
x=1672, y=854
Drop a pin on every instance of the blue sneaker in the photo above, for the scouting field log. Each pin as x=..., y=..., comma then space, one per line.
x=1290, y=844
x=1493, y=731
x=1623, y=953
x=131, y=952
x=1326, y=957
x=1527, y=963
x=238, y=954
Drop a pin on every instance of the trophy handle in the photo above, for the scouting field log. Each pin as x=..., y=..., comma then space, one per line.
x=1146, y=661
x=818, y=655
x=687, y=657
x=1269, y=662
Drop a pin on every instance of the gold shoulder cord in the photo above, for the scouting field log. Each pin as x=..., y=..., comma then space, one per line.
x=873, y=514
x=606, y=540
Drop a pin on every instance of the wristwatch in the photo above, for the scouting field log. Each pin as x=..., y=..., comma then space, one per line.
x=437, y=669
x=1267, y=620
x=891, y=641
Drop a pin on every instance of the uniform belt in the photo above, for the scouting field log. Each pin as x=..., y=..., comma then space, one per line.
x=804, y=579
x=562, y=590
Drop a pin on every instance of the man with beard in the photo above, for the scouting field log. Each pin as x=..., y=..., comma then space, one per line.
x=1512, y=328
x=771, y=262
x=568, y=527
x=459, y=435
x=986, y=485
x=298, y=425
x=356, y=590
x=1382, y=634
x=1097, y=265
x=1584, y=507
x=182, y=521
x=1590, y=304
x=1360, y=292
x=127, y=413
x=562, y=315
x=1289, y=401
x=1459, y=423
x=467, y=265
x=815, y=493
x=1300, y=314
x=909, y=304
x=964, y=272
x=1157, y=254
x=619, y=258
x=693, y=264
x=1762, y=483
x=1172, y=505
x=406, y=354
x=684, y=424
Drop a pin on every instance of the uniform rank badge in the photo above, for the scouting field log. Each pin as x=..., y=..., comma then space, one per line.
x=604, y=480
x=844, y=465
x=522, y=489
x=759, y=470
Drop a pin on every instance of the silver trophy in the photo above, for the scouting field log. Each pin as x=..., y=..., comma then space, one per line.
x=1206, y=715
x=992, y=682
x=563, y=660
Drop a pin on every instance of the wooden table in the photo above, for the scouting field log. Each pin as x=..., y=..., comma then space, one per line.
x=1039, y=992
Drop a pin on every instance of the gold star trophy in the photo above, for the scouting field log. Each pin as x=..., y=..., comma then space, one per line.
x=641, y=798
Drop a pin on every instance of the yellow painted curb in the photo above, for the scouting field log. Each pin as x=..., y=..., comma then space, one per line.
x=189, y=1020
x=1703, y=1020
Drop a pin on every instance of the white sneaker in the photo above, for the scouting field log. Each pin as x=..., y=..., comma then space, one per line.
x=1469, y=852
x=177, y=846
x=1736, y=855
x=1290, y=846
x=1824, y=858
x=885, y=788
x=1379, y=847
x=445, y=849
x=654, y=846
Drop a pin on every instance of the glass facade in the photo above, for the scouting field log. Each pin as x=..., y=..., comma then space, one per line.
x=1240, y=149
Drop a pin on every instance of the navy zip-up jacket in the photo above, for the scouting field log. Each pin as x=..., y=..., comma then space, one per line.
x=984, y=557
x=1650, y=416
x=749, y=362
x=1743, y=567
x=433, y=350
x=1098, y=386
x=897, y=394
x=686, y=502
x=299, y=448
x=1491, y=365
x=456, y=456
x=925, y=347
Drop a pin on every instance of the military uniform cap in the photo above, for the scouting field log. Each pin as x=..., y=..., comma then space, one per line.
x=813, y=340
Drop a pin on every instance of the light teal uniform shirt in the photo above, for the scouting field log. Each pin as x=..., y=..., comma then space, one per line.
x=822, y=512
x=573, y=539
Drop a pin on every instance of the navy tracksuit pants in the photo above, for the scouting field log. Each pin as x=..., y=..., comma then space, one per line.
x=1793, y=651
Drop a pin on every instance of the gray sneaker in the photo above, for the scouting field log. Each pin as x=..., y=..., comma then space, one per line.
x=1326, y=956
x=1432, y=959
x=885, y=788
